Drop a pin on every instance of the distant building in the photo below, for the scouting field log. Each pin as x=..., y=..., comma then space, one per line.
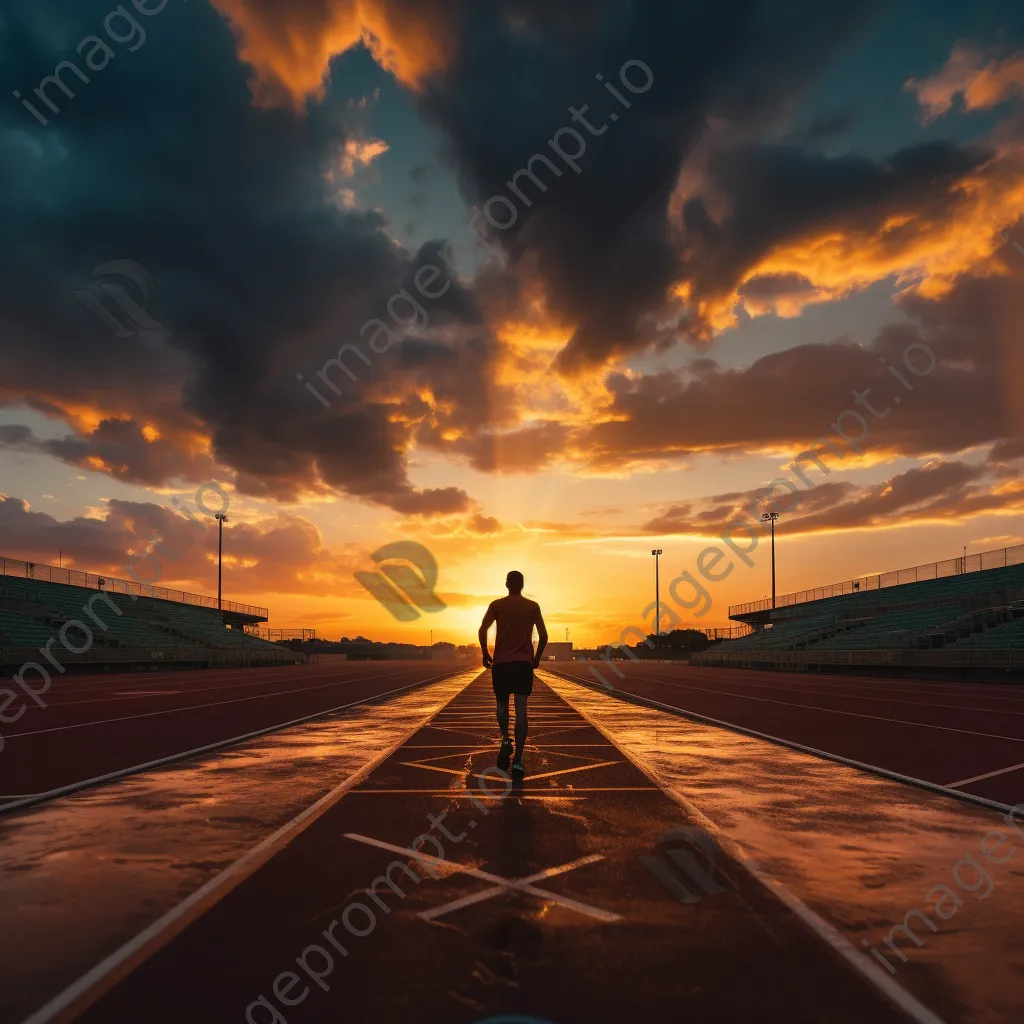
x=442, y=651
x=560, y=650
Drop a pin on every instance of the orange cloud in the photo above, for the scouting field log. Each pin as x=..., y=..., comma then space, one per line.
x=982, y=83
x=290, y=45
x=924, y=252
x=361, y=152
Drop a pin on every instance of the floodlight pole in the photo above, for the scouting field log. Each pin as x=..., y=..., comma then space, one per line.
x=221, y=520
x=657, y=599
x=772, y=516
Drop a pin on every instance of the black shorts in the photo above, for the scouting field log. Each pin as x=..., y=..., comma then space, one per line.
x=512, y=677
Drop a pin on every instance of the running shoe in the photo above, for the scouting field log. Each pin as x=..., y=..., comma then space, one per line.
x=518, y=771
x=504, y=754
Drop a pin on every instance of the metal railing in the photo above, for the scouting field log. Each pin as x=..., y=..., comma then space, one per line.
x=996, y=559
x=91, y=581
x=728, y=632
x=284, y=633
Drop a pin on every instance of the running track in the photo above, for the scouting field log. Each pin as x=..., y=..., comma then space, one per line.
x=93, y=725
x=968, y=736
x=544, y=908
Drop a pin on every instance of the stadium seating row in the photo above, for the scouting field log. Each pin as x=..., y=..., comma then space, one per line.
x=34, y=610
x=972, y=610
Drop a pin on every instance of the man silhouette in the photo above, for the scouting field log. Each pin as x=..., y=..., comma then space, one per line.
x=513, y=662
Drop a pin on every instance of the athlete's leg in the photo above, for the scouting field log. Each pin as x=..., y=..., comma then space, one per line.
x=522, y=725
x=502, y=702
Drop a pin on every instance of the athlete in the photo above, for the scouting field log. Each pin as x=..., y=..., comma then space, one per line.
x=513, y=662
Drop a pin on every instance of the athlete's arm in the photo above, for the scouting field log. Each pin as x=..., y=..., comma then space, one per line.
x=542, y=637
x=489, y=617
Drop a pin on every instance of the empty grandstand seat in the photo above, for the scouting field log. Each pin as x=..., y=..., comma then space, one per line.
x=924, y=613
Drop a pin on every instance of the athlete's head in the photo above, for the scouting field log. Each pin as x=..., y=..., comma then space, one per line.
x=514, y=582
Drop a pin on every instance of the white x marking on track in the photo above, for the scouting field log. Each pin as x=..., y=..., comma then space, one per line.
x=499, y=885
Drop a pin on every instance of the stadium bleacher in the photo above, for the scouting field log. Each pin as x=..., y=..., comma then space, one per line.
x=35, y=611
x=980, y=610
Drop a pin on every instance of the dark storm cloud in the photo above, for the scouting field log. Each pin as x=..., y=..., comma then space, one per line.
x=163, y=159
x=603, y=242
x=787, y=399
x=259, y=273
x=123, y=450
x=942, y=490
x=779, y=195
x=822, y=128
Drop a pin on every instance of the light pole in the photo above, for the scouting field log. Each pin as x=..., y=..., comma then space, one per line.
x=657, y=600
x=772, y=516
x=221, y=520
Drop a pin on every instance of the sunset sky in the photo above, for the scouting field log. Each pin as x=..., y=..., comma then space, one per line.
x=779, y=201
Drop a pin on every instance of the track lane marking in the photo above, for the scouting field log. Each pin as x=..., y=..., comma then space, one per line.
x=828, y=755
x=190, y=707
x=874, y=974
x=861, y=682
x=840, y=696
x=501, y=885
x=108, y=972
x=987, y=775
x=74, y=787
x=830, y=711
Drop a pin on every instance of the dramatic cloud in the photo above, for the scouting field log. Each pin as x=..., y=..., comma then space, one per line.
x=980, y=80
x=934, y=493
x=120, y=448
x=685, y=213
x=800, y=227
x=257, y=274
x=280, y=554
x=290, y=44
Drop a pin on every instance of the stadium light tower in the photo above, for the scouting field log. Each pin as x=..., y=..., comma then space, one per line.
x=772, y=516
x=657, y=599
x=221, y=520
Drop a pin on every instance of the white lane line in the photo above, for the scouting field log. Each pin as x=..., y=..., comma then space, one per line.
x=835, y=711
x=987, y=775
x=874, y=769
x=190, y=707
x=874, y=974
x=74, y=787
x=91, y=985
x=974, y=690
x=135, y=695
x=100, y=682
x=811, y=692
x=74, y=685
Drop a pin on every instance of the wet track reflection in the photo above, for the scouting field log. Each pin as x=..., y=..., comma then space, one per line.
x=860, y=851
x=84, y=873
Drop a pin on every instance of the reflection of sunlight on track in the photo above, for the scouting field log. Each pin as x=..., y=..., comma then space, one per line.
x=134, y=849
x=29, y=799
x=856, y=849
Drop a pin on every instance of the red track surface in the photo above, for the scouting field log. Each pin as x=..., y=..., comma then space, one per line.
x=97, y=724
x=945, y=733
